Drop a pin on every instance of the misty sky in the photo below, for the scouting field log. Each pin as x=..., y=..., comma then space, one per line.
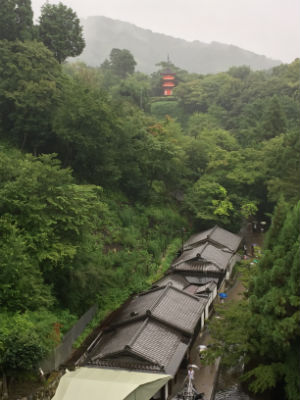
x=269, y=27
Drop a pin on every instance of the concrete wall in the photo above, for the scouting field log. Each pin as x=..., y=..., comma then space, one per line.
x=62, y=352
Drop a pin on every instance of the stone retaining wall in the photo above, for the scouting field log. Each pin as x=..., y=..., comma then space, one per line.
x=45, y=392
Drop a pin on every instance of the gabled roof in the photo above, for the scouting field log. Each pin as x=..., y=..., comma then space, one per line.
x=202, y=255
x=151, y=332
x=166, y=304
x=217, y=256
x=197, y=238
x=189, y=254
x=142, y=345
x=176, y=280
x=216, y=235
x=179, y=309
x=199, y=267
x=225, y=238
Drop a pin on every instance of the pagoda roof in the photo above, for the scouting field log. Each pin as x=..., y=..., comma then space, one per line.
x=168, y=84
x=167, y=71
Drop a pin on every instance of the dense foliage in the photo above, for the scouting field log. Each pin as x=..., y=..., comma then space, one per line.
x=16, y=20
x=99, y=174
x=263, y=328
x=60, y=30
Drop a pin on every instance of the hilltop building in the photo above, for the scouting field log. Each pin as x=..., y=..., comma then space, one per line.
x=168, y=82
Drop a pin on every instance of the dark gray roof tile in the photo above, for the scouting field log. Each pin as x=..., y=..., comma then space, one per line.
x=138, y=306
x=200, y=267
x=189, y=254
x=157, y=342
x=116, y=340
x=152, y=346
x=205, y=253
x=220, y=257
x=179, y=310
x=167, y=304
x=217, y=235
x=225, y=238
x=197, y=238
x=176, y=280
x=200, y=280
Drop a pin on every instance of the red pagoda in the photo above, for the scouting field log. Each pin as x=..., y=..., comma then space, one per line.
x=168, y=83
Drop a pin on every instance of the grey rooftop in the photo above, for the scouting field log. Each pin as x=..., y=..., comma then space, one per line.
x=203, y=254
x=166, y=304
x=216, y=235
x=142, y=345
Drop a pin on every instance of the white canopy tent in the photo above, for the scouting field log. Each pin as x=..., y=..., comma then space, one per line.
x=103, y=384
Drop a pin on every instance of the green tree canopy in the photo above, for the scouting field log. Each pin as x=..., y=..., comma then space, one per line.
x=273, y=120
x=50, y=220
x=16, y=20
x=29, y=90
x=60, y=31
x=208, y=200
x=121, y=62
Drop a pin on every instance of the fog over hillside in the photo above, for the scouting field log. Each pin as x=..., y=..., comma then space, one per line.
x=102, y=34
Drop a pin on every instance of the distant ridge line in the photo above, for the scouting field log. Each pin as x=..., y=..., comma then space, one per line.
x=102, y=34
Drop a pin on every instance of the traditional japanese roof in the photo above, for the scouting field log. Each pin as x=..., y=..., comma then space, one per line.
x=216, y=235
x=176, y=280
x=217, y=256
x=192, y=289
x=225, y=238
x=196, y=239
x=199, y=267
x=207, y=288
x=200, y=279
x=150, y=333
x=146, y=345
x=168, y=84
x=167, y=71
x=203, y=258
x=189, y=254
x=166, y=304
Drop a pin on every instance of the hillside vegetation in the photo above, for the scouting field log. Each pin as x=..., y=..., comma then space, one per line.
x=102, y=34
x=99, y=176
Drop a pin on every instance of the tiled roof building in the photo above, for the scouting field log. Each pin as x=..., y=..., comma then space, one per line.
x=152, y=332
x=217, y=236
x=210, y=253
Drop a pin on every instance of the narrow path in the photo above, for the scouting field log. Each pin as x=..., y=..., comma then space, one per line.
x=206, y=376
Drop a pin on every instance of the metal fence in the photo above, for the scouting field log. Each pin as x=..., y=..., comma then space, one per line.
x=62, y=352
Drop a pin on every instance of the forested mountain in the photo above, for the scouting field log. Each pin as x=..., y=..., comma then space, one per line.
x=149, y=48
x=100, y=174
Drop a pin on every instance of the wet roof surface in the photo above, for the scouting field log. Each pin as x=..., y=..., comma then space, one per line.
x=218, y=235
x=226, y=238
x=167, y=304
x=140, y=345
x=176, y=280
x=204, y=254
